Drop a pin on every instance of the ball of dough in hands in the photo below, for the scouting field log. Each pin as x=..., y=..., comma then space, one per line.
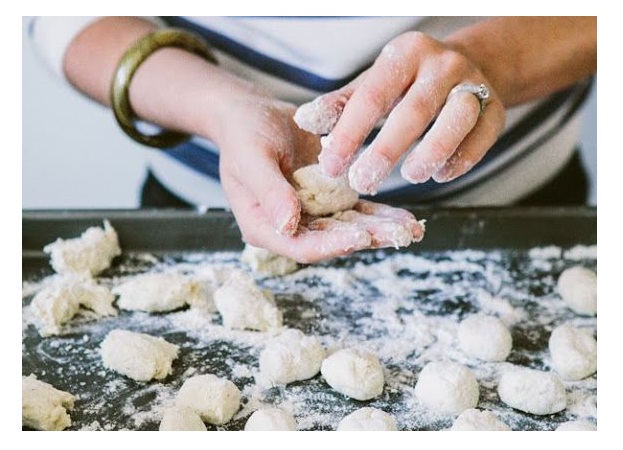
x=354, y=372
x=290, y=357
x=573, y=352
x=532, y=391
x=485, y=338
x=320, y=194
x=447, y=387
x=368, y=419
x=215, y=399
x=270, y=419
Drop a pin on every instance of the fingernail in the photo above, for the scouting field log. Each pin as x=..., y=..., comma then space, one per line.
x=420, y=173
x=286, y=221
x=330, y=163
x=366, y=177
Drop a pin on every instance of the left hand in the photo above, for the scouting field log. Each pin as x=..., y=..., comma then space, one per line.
x=409, y=84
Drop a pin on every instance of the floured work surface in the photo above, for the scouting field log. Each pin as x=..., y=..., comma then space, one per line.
x=405, y=306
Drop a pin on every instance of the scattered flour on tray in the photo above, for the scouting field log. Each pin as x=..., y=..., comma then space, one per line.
x=404, y=307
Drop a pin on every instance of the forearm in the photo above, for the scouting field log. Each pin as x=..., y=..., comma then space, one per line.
x=525, y=58
x=172, y=88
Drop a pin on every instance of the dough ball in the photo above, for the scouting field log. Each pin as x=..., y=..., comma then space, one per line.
x=266, y=262
x=158, y=292
x=532, y=391
x=215, y=399
x=179, y=418
x=290, y=357
x=320, y=194
x=578, y=288
x=447, y=387
x=476, y=420
x=577, y=425
x=43, y=406
x=64, y=298
x=356, y=373
x=137, y=355
x=368, y=419
x=485, y=338
x=244, y=305
x=270, y=419
x=573, y=352
x=90, y=253
x=319, y=116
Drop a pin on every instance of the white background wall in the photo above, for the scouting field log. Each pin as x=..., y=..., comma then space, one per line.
x=74, y=156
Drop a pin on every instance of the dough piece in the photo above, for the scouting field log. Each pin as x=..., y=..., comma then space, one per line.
x=577, y=425
x=243, y=305
x=43, y=406
x=476, y=420
x=266, y=262
x=215, y=399
x=270, y=419
x=90, y=253
x=158, y=292
x=368, y=419
x=354, y=372
x=67, y=296
x=180, y=418
x=573, y=352
x=290, y=357
x=532, y=391
x=319, y=116
x=139, y=356
x=447, y=387
x=578, y=287
x=485, y=337
x=320, y=194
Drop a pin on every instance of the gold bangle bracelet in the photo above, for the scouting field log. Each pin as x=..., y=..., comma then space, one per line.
x=130, y=62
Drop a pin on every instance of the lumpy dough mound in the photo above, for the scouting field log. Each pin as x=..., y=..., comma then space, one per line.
x=43, y=406
x=356, y=373
x=485, y=338
x=290, y=357
x=215, y=399
x=475, y=420
x=270, y=419
x=573, y=352
x=368, y=419
x=532, y=391
x=447, y=387
x=139, y=356
x=578, y=288
x=179, y=418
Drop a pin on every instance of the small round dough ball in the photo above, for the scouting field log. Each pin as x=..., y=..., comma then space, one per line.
x=532, y=391
x=320, y=194
x=368, y=419
x=578, y=288
x=573, y=352
x=215, y=399
x=180, y=418
x=139, y=356
x=270, y=419
x=447, y=387
x=290, y=357
x=577, y=425
x=267, y=263
x=354, y=372
x=475, y=420
x=485, y=337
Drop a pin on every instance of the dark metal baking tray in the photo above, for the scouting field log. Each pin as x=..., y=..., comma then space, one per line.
x=172, y=232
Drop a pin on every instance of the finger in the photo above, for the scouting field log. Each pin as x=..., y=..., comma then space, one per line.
x=385, y=232
x=404, y=125
x=259, y=171
x=399, y=215
x=475, y=145
x=457, y=118
x=312, y=243
x=384, y=82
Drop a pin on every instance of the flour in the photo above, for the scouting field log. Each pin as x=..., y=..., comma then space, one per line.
x=405, y=307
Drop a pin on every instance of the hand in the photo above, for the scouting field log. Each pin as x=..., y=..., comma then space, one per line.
x=261, y=146
x=409, y=84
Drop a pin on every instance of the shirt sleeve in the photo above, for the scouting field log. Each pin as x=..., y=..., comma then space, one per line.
x=52, y=35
